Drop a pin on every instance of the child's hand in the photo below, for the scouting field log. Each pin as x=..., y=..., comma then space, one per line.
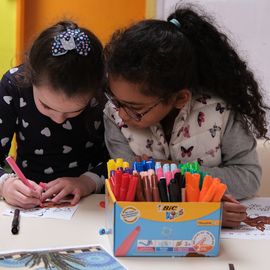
x=61, y=187
x=233, y=212
x=16, y=193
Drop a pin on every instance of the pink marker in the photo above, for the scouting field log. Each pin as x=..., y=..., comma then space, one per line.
x=168, y=176
x=159, y=173
x=19, y=173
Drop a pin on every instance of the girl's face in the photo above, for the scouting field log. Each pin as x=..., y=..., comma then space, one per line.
x=136, y=109
x=57, y=105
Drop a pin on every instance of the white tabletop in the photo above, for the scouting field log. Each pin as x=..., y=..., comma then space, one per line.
x=82, y=229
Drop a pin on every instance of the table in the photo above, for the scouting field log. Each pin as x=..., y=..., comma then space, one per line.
x=83, y=229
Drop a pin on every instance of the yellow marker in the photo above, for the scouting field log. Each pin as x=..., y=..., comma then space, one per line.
x=111, y=166
x=125, y=165
x=119, y=163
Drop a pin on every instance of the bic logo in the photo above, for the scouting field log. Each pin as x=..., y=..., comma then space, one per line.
x=166, y=208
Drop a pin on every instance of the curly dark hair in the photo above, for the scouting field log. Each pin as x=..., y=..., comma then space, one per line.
x=70, y=73
x=165, y=58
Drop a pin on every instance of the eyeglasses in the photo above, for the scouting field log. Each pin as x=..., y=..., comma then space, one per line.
x=130, y=112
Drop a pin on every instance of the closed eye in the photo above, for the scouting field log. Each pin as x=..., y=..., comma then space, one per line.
x=45, y=106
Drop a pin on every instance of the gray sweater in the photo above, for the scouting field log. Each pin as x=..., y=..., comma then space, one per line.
x=239, y=169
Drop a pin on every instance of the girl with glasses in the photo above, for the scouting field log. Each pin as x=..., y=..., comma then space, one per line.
x=180, y=92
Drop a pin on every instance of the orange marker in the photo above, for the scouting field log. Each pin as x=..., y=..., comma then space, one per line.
x=219, y=192
x=209, y=195
x=192, y=187
x=207, y=182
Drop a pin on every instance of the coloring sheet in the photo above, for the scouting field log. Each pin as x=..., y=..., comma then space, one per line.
x=257, y=225
x=62, y=210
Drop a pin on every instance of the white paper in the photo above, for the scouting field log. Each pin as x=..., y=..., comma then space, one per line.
x=57, y=212
x=256, y=207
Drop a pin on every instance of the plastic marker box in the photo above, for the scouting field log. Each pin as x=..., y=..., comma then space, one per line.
x=163, y=228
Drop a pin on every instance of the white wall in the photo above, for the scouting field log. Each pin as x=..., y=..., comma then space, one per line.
x=247, y=23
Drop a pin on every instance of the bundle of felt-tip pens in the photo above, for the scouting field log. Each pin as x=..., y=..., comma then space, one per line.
x=151, y=181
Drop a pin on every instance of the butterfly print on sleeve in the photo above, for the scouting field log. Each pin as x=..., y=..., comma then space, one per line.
x=211, y=152
x=186, y=152
x=201, y=118
x=121, y=125
x=213, y=130
x=220, y=108
x=185, y=131
x=130, y=138
x=218, y=147
x=200, y=161
x=149, y=144
x=203, y=99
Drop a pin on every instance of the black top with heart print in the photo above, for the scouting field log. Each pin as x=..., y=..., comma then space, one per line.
x=47, y=150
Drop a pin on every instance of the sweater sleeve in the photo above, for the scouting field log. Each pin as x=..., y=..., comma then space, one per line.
x=240, y=168
x=8, y=117
x=99, y=154
x=116, y=143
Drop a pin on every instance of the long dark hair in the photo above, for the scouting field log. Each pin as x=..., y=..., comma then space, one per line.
x=165, y=57
x=70, y=73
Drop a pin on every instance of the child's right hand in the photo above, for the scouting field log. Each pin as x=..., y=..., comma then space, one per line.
x=16, y=193
x=233, y=212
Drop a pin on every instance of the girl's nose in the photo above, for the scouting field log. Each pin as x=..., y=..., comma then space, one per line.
x=123, y=114
x=58, y=118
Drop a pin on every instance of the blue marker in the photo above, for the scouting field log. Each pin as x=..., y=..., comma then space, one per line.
x=173, y=167
x=150, y=164
x=157, y=165
x=166, y=168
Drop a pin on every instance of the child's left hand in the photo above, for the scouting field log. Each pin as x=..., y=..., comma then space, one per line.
x=61, y=187
x=233, y=212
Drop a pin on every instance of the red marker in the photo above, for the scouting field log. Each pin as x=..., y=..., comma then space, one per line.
x=19, y=173
x=118, y=183
x=132, y=188
x=124, y=247
x=124, y=186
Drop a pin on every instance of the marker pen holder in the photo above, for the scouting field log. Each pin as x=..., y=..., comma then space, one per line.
x=162, y=228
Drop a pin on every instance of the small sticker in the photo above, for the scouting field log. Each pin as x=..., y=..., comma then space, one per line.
x=130, y=214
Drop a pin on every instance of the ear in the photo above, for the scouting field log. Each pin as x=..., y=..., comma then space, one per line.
x=182, y=97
